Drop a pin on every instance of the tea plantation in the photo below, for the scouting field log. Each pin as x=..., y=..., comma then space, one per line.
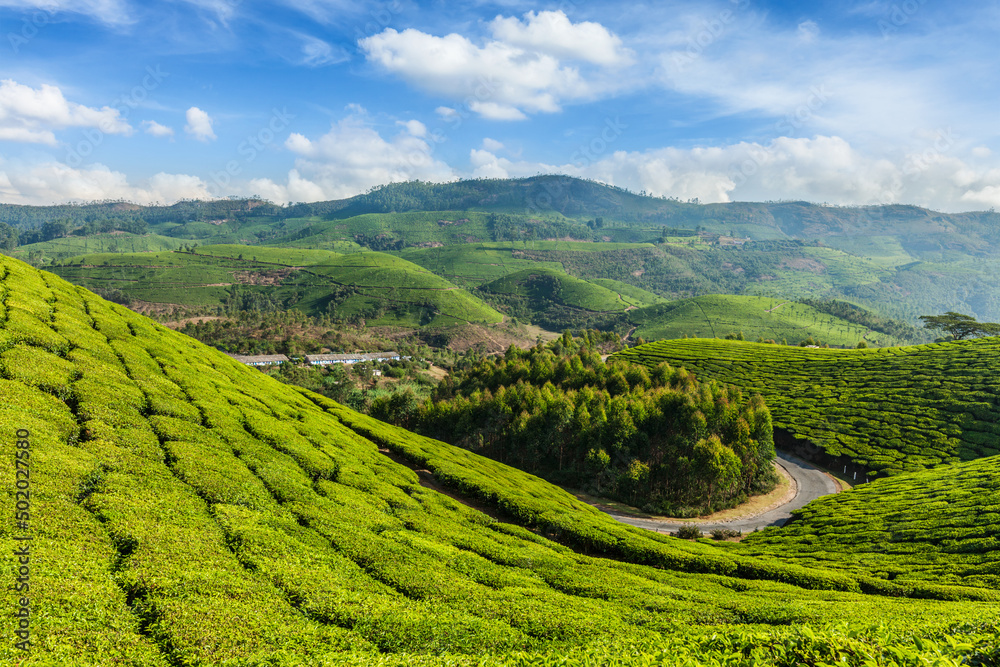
x=374, y=286
x=756, y=317
x=887, y=410
x=185, y=509
x=938, y=525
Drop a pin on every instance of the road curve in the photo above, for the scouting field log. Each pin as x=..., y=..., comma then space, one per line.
x=811, y=483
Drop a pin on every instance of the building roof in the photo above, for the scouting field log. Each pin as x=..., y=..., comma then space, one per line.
x=259, y=358
x=353, y=356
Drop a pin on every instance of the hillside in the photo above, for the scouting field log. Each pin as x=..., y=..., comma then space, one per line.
x=756, y=317
x=901, y=261
x=556, y=300
x=187, y=510
x=941, y=525
x=881, y=411
x=379, y=288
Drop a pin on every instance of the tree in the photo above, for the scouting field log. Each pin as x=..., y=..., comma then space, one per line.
x=8, y=237
x=55, y=229
x=960, y=326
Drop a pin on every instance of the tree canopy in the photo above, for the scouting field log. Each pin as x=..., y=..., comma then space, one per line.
x=960, y=326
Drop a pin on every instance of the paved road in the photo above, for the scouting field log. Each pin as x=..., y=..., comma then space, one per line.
x=811, y=483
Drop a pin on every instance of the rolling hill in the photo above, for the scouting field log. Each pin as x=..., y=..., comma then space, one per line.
x=879, y=411
x=186, y=510
x=939, y=525
x=381, y=289
x=901, y=261
x=770, y=318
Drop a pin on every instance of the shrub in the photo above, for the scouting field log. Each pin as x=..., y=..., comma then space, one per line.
x=688, y=531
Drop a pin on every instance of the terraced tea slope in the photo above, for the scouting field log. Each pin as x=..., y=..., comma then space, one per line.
x=938, y=525
x=187, y=510
x=380, y=288
x=888, y=410
x=756, y=317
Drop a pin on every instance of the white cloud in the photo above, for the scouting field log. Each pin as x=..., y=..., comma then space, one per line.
x=553, y=33
x=496, y=111
x=33, y=114
x=54, y=182
x=156, y=129
x=487, y=165
x=199, y=125
x=518, y=73
x=877, y=93
x=353, y=157
x=820, y=169
x=110, y=12
x=317, y=53
x=492, y=145
x=447, y=113
x=981, y=152
x=414, y=127
x=330, y=11
x=223, y=10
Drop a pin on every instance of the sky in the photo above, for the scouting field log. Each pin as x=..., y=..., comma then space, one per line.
x=846, y=103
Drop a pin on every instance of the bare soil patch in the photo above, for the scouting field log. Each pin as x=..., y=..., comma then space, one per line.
x=804, y=263
x=756, y=505
x=271, y=277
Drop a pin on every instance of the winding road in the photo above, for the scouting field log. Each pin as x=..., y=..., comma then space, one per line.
x=811, y=483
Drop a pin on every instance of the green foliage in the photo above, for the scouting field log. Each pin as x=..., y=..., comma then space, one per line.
x=756, y=317
x=959, y=326
x=689, y=532
x=555, y=300
x=369, y=287
x=657, y=440
x=938, y=526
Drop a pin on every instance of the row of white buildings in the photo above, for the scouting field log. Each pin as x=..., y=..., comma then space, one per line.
x=318, y=359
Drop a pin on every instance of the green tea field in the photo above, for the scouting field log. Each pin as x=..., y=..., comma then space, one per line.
x=184, y=509
x=887, y=410
x=757, y=317
x=379, y=288
x=940, y=525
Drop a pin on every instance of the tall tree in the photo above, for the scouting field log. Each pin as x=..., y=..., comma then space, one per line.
x=960, y=326
x=8, y=237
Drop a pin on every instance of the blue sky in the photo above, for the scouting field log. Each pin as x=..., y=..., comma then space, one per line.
x=838, y=102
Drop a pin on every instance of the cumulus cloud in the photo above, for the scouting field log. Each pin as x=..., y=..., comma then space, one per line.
x=54, y=182
x=486, y=164
x=33, y=114
x=819, y=169
x=199, y=125
x=353, y=157
x=553, y=33
x=414, y=127
x=156, y=129
x=519, y=72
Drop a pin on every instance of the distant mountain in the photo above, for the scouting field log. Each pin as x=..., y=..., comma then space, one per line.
x=901, y=261
x=546, y=195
